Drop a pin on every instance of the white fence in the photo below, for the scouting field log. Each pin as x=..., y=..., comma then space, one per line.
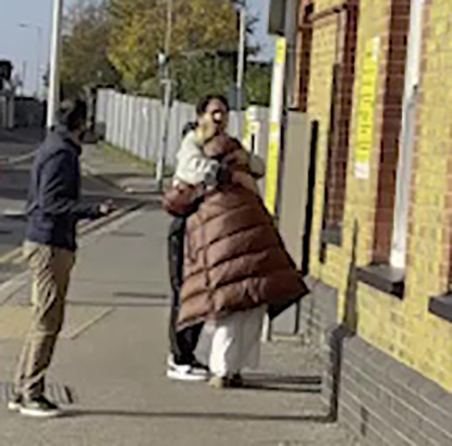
x=135, y=123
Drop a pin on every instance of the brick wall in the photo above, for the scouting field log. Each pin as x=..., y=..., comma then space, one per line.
x=318, y=314
x=387, y=404
x=361, y=196
x=384, y=321
x=405, y=329
x=304, y=46
x=382, y=401
x=396, y=44
x=328, y=42
x=340, y=129
x=399, y=333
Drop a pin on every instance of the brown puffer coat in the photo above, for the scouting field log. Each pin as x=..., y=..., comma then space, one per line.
x=235, y=259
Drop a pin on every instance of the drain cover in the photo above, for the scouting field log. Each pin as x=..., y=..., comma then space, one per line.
x=56, y=392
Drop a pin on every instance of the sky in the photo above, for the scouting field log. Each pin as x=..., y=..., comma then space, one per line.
x=22, y=45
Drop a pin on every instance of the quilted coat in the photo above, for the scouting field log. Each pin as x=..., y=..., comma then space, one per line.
x=234, y=258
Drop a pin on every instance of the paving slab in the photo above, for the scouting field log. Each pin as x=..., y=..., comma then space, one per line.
x=115, y=369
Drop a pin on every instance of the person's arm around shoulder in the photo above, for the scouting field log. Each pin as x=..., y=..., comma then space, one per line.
x=254, y=163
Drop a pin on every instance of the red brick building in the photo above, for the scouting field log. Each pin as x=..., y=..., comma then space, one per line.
x=375, y=78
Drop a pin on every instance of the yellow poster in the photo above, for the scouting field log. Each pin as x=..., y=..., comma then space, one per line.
x=366, y=110
x=276, y=108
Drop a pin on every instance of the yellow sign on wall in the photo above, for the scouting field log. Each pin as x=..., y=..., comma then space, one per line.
x=276, y=108
x=366, y=110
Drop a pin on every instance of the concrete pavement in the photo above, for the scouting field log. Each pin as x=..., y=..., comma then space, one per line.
x=114, y=365
x=120, y=169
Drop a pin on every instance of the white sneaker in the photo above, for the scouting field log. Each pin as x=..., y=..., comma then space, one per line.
x=15, y=403
x=186, y=372
x=40, y=407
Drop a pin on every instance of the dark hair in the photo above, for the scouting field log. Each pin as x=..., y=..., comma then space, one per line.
x=188, y=128
x=206, y=100
x=72, y=114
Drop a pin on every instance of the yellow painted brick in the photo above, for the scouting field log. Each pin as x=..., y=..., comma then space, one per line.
x=403, y=329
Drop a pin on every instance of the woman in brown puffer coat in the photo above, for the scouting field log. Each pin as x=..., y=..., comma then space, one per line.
x=235, y=267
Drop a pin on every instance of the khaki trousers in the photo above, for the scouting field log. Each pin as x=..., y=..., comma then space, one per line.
x=51, y=268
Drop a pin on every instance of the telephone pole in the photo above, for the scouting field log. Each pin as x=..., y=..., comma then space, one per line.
x=242, y=55
x=54, y=75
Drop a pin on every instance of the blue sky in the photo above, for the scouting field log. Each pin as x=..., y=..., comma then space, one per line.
x=21, y=45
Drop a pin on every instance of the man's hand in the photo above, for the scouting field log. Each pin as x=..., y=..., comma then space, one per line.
x=107, y=208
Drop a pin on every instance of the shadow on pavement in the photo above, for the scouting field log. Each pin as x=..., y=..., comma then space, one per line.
x=113, y=304
x=128, y=234
x=139, y=183
x=143, y=300
x=221, y=416
x=135, y=295
x=283, y=383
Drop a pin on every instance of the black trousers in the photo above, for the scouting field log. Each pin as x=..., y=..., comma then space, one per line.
x=183, y=343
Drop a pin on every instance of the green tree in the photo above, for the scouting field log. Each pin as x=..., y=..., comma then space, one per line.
x=258, y=83
x=216, y=72
x=138, y=33
x=196, y=74
x=116, y=43
x=85, y=63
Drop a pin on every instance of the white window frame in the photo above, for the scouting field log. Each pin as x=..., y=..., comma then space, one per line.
x=407, y=136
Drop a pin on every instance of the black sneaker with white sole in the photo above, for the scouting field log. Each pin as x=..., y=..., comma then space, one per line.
x=39, y=407
x=187, y=372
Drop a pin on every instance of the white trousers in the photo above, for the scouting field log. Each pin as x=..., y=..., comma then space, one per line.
x=232, y=344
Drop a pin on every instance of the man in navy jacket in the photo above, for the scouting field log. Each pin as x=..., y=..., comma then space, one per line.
x=54, y=208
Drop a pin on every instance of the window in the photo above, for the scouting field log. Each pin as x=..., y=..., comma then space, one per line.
x=339, y=128
x=304, y=57
x=399, y=240
x=387, y=271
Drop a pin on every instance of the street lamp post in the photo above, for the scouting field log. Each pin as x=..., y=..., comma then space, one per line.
x=242, y=55
x=24, y=76
x=55, y=52
x=38, y=30
x=164, y=61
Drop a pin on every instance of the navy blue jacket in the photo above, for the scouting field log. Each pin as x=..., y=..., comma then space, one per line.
x=54, y=206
